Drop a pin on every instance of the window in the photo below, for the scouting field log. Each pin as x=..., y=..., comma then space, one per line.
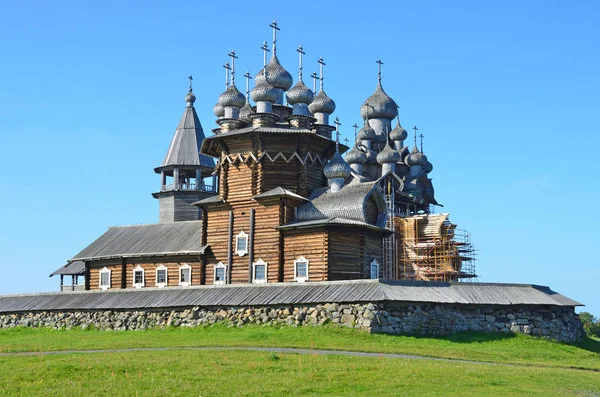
x=260, y=272
x=241, y=244
x=301, y=269
x=374, y=269
x=161, y=276
x=138, y=277
x=220, y=273
x=185, y=275
x=104, y=279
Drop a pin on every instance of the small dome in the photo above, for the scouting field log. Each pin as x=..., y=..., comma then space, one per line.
x=264, y=93
x=388, y=155
x=356, y=156
x=428, y=167
x=416, y=158
x=337, y=167
x=379, y=105
x=322, y=104
x=190, y=97
x=232, y=97
x=398, y=133
x=300, y=93
x=219, y=111
x=245, y=112
x=366, y=133
x=276, y=75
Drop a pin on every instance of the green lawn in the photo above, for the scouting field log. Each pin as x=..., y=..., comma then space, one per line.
x=239, y=373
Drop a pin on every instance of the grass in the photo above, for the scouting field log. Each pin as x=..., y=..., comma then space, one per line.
x=548, y=366
x=498, y=348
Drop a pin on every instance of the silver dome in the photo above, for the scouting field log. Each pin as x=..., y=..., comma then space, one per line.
x=366, y=133
x=322, y=104
x=190, y=97
x=416, y=158
x=356, y=156
x=300, y=93
x=219, y=111
x=264, y=92
x=245, y=112
x=388, y=155
x=379, y=106
x=232, y=97
x=276, y=75
x=398, y=133
x=337, y=167
x=428, y=167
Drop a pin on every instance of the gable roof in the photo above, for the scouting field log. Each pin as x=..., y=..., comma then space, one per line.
x=177, y=238
x=75, y=268
x=279, y=192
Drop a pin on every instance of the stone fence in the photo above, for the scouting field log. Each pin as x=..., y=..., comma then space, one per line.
x=551, y=322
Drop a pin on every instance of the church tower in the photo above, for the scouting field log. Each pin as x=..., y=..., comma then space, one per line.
x=184, y=169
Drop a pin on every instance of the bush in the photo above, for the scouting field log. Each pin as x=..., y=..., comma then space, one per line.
x=590, y=323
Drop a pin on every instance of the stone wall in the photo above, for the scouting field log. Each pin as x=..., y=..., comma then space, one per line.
x=558, y=323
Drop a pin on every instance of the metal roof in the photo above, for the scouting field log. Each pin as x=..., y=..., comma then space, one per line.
x=161, y=239
x=185, y=146
x=75, y=268
x=289, y=294
x=279, y=192
x=331, y=221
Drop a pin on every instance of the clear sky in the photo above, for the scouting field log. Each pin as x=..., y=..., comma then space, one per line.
x=506, y=94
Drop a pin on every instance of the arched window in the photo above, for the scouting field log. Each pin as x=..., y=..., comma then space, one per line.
x=104, y=278
x=185, y=275
x=161, y=276
x=220, y=273
x=301, y=269
x=138, y=277
x=241, y=244
x=374, y=269
x=259, y=273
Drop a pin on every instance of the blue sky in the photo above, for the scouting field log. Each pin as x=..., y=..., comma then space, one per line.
x=506, y=94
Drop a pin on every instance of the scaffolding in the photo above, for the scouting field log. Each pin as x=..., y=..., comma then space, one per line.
x=429, y=247
x=389, y=267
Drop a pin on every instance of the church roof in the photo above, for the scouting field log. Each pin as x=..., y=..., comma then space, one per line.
x=331, y=221
x=177, y=238
x=185, y=146
x=75, y=268
x=279, y=192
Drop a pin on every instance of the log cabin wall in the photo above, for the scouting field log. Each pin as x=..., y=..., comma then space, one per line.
x=310, y=244
x=346, y=254
x=149, y=273
x=372, y=246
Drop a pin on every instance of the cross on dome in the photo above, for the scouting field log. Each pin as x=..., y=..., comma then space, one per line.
x=275, y=29
x=227, y=69
x=233, y=58
x=315, y=77
x=321, y=64
x=416, y=129
x=379, y=63
x=301, y=52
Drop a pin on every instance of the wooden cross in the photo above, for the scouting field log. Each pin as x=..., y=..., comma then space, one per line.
x=191, y=78
x=346, y=141
x=355, y=129
x=301, y=52
x=337, y=130
x=416, y=129
x=248, y=77
x=233, y=58
x=315, y=77
x=421, y=136
x=321, y=64
x=275, y=29
x=227, y=69
x=265, y=49
x=379, y=63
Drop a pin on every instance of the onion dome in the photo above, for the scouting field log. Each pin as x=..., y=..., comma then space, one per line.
x=379, y=106
x=366, y=133
x=232, y=97
x=416, y=158
x=275, y=74
x=245, y=112
x=388, y=155
x=219, y=111
x=300, y=93
x=356, y=156
x=398, y=133
x=322, y=104
x=337, y=167
x=190, y=98
x=264, y=92
x=428, y=167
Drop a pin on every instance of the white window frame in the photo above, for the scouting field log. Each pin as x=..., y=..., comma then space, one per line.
x=241, y=252
x=143, y=283
x=160, y=268
x=187, y=267
x=300, y=260
x=104, y=271
x=374, y=265
x=259, y=262
x=220, y=265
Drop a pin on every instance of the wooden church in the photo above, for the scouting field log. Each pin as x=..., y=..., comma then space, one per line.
x=269, y=198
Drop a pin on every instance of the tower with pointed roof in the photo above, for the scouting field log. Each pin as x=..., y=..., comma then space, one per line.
x=184, y=169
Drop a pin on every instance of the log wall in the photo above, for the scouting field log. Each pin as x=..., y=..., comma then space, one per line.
x=149, y=274
x=312, y=245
